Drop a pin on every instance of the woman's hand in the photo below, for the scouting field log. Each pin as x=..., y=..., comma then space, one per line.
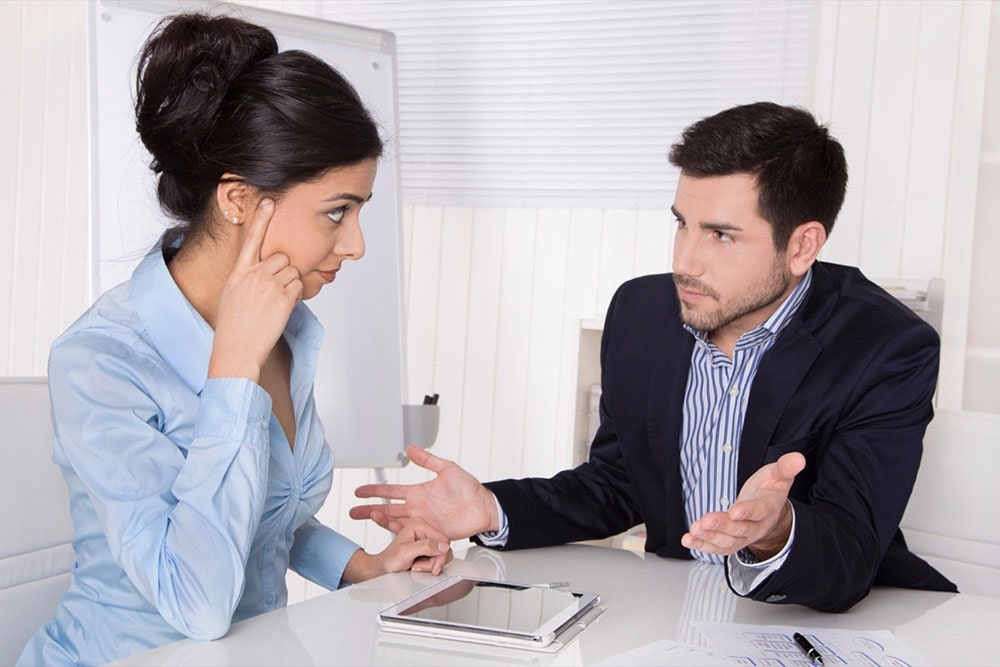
x=418, y=547
x=256, y=301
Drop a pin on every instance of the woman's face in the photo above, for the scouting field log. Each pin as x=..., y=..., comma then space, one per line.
x=316, y=224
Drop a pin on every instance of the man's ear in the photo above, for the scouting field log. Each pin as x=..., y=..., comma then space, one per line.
x=232, y=197
x=804, y=246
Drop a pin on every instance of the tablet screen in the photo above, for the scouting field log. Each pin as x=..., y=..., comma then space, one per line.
x=493, y=605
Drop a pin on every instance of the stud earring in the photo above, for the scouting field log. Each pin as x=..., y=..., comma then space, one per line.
x=228, y=216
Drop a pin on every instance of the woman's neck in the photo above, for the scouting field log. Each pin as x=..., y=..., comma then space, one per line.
x=200, y=270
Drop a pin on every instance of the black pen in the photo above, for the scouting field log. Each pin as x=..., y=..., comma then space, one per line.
x=808, y=648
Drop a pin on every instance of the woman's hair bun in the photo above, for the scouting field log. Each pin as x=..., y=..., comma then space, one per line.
x=185, y=70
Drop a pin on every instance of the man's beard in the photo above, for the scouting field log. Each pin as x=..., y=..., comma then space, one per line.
x=762, y=294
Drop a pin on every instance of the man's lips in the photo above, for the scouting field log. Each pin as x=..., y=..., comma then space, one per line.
x=688, y=295
x=327, y=276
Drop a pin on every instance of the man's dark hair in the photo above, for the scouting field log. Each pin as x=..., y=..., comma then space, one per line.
x=800, y=169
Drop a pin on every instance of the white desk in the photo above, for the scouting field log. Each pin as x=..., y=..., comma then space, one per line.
x=647, y=598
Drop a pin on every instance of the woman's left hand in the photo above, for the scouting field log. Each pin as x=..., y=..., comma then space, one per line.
x=418, y=546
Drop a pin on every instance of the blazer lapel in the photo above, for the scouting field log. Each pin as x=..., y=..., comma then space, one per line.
x=782, y=370
x=778, y=377
x=670, y=363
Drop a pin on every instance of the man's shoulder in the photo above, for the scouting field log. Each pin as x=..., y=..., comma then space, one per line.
x=652, y=289
x=846, y=297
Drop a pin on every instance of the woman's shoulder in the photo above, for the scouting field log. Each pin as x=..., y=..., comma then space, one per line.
x=110, y=328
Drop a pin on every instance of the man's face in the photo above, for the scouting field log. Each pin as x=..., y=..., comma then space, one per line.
x=728, y=274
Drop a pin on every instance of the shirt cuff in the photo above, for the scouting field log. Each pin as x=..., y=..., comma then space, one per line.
x=746, y=573
x=234, y=409
x=496, y=538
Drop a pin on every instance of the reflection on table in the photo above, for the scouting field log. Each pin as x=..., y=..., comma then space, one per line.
x=647, y=599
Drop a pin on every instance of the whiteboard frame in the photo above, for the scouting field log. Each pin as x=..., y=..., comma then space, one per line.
x=361, y=380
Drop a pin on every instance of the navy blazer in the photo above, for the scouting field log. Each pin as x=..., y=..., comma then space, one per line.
x=848, y=383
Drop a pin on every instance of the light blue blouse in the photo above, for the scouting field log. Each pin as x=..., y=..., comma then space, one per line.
x=187, y=502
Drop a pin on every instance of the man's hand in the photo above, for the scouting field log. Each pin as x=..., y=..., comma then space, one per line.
x=760, y=519
x=454, y=501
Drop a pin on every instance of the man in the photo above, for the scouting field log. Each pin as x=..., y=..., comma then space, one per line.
x=752, y=367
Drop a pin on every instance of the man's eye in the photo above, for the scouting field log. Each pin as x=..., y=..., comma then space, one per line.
x=337, y=214
x=724, y=237
x=680, y=223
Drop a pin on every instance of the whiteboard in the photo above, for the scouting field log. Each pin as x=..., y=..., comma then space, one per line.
x=360, y=381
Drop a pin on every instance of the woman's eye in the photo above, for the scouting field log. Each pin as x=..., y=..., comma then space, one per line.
x=337, y=214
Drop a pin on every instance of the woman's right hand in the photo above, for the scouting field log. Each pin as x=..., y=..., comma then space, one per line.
x=256, y=301
x=418, y=546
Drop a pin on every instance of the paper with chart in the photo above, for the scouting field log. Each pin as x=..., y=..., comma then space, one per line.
x=772, y=645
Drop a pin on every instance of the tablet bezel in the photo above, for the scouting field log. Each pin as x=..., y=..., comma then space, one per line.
x=541, y=636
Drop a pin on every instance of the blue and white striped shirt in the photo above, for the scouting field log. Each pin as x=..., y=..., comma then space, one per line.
x=715, y=404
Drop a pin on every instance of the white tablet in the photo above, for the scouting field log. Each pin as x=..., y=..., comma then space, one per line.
x=491, y=612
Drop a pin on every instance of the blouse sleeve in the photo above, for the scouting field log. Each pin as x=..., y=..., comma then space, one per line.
x=319, y=553
x=179, y=515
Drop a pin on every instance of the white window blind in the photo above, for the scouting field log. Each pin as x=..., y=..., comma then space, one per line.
x=572, y=103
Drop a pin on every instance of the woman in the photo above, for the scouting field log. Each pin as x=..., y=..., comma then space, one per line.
x=182, y=400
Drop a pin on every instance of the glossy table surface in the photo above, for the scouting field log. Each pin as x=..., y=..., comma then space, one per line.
x=647, y=599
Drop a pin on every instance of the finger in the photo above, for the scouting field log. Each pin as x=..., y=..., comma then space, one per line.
x=383, y=520
x=423, y=530
x=790, y=465
x=438, y=562
x=275, y=264
x=294, y=290
x=388, y=512
x=391, y=491
x=723, y=530
x=411, y=551
x=254, y=240
x=729, y=546
x=287, y=276
x=425, y=459
x=751, y=510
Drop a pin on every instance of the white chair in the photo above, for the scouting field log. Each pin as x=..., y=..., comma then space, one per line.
x=35, y=524
x=951, y=518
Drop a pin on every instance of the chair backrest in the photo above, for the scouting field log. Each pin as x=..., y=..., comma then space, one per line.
x=951, y=518
x=35, y=524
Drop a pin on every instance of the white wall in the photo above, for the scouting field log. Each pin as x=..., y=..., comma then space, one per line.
x=495, y=296
x=44, y=252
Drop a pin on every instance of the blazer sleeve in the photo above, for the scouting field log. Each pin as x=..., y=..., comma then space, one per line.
x=592, y=501
x=847, y=516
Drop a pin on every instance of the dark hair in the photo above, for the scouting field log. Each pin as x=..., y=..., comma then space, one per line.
x=214, y=96
x=800, y=169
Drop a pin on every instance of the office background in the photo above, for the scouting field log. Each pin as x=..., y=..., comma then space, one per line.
x=499, y=277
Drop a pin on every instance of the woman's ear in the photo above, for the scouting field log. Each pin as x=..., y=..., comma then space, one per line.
x=804, y=246
x=232, y=197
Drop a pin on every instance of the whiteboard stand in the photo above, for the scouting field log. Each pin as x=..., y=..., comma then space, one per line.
x=420, y=428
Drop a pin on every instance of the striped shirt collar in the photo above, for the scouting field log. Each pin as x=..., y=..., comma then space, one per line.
x=774, y=324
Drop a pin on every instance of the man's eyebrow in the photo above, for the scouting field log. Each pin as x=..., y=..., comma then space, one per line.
x=709, y=226
x=720, y=226
x=349, y=195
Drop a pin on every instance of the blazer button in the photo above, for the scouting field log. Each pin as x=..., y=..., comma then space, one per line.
x=776, y=597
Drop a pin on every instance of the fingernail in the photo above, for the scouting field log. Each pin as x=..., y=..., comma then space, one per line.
x=266, y=203
x=442, y=547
